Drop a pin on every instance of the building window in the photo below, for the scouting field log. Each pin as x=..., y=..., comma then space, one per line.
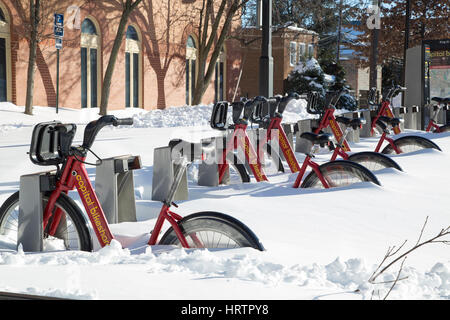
x=5, y=57
x=293, y=53
x=311, y=50
x=219, y=79
x=191, y=57
x=301, y=50
x=90, y=65
x=133, y=68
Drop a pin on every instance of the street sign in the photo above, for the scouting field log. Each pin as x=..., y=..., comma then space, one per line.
x=58, y=43
x=58, y=28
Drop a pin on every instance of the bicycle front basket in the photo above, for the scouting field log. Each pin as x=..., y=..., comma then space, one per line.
x=45, y=149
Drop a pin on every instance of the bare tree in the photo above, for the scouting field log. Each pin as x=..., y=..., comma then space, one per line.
x=34, y=26
x=35, y=7
x=127, y=8
x=393, y=256
x=213, y=23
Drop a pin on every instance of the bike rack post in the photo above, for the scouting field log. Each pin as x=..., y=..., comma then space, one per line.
x=365, y=132
x=164, y=168
x=208, y=169
x=32, y=187
x=114, y=187
x=288, y=129
x=411, y=116
x=301, y=126
x=400, y=112
x=352, y=135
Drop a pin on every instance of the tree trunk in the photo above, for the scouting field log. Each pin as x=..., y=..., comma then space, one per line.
x=112, y=62
x=129, y=6
x=34, y=22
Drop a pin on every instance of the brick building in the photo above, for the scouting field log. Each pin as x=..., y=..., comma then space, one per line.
x=155, y=68
x=288, y=45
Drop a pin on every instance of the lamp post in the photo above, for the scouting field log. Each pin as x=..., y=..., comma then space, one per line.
x=266, y=59
x=373, y=80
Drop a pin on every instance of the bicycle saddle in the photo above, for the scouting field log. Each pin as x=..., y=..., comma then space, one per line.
x=390, y=121
x=321, y=139
x=348, y=122
x=441, y=100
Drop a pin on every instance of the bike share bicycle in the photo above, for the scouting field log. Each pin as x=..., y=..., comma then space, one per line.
x=371, y=160
x=65, y=224
x=443, y=104
x=236, y=139
x=385, y=121
x=268, y=114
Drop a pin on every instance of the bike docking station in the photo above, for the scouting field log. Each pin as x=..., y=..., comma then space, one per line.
x=31, y=210
x=114, y=186
x=164, y=172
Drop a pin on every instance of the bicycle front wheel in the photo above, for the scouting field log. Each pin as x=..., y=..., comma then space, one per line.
x=339, y=173
x=71, y=233
x=374, y=161
x=409, y=144
x=212, y=230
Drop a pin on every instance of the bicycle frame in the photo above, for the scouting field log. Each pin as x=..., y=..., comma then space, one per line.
x=74, y=175
x=315, y=167
x=240, y=139
x=383, y=138
x=432, y=123
x=289, y=155
x=329, y=120
x=385, y=110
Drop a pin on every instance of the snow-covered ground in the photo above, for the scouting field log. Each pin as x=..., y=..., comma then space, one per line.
x=319, y=244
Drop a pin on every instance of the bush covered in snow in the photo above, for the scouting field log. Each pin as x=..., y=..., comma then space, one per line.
x=309, y=75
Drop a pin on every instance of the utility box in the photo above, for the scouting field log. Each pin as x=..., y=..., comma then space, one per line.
x=114, y=187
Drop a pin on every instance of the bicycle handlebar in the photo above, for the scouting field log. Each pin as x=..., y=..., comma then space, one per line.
x=93, y=128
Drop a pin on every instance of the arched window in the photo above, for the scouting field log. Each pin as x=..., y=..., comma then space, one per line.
x=220, y=77
x=133, y=69
x=2, y=16
x=88, y=27
x=90, y=64
x=191, y=57
x=5, y=56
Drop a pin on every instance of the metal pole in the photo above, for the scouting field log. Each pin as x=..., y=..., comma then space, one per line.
x=57, y=80
x=374, y=57
x=406, y=45
x=266, y=59
x=338, y=53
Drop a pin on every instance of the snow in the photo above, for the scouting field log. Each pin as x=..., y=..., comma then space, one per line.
x=320, y=244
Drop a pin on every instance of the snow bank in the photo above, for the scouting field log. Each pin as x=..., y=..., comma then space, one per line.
x=350, y=275
x=185, y=116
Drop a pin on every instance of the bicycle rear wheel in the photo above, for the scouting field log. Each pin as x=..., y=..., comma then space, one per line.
x=339, y=173
x=71, y=234
x=409, y=144
x=212, y=230
x=374, y=161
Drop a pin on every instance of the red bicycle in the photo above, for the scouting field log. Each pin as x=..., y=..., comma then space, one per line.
x=371, y=160
x=269, y=115
x=384, y=121
x=64, y=224
x=237, y=140
x=442, y=104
